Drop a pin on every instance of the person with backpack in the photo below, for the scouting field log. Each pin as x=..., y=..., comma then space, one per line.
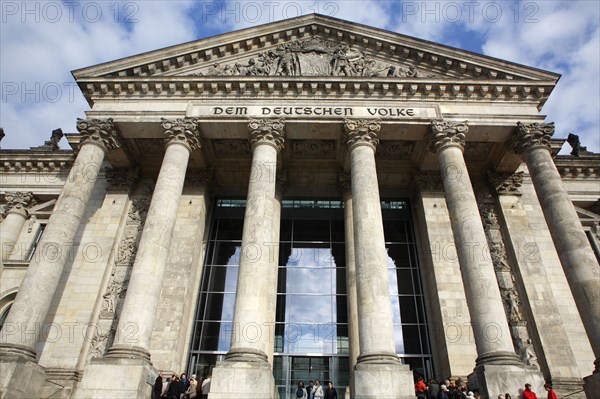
x=317, y=390
x=300, y=391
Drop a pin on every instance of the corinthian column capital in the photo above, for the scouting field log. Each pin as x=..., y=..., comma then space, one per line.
x=101, y=132
x=444, y=134
x=533, y=135
x=267, y=131
x=182, y=131
x=362, y=132
x=19, y=202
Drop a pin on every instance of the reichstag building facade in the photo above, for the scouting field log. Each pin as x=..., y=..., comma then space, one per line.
x=307, y=199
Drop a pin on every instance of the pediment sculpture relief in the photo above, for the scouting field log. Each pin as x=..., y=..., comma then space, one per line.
x=314, y=57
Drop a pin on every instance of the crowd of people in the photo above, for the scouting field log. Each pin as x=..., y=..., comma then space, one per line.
x=179, y=387
x=459, y=390
x=316, y=391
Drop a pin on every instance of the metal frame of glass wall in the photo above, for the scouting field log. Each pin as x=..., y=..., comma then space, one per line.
x=311, y=332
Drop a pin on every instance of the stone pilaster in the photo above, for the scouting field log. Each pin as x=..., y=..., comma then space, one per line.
x=497, y=363
x=345, y=189
x=574, y=250
x=35, y=295
x=378, y=371
x=16, y=210
x=246, y=368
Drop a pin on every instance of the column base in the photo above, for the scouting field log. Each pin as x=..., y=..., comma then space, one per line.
x=591, y=386
x=240, y=379
x=383, y=381
x=492, y=380
x=113, y=377
x=20, y=377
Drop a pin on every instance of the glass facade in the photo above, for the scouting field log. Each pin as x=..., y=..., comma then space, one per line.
x=311, y=331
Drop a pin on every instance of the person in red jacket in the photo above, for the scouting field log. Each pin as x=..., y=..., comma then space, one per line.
x=528, y=393
x=551, y=393
x=420, y=388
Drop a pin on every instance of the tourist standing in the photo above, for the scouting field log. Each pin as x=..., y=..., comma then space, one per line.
x=528, y=393
x=317, y=390
x=330, y=392
x=551, y=393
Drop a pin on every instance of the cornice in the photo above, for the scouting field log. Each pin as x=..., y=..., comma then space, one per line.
x=30, y=161
x=438, y=89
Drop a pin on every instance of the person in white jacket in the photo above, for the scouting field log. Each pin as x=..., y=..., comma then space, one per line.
x=317, y=390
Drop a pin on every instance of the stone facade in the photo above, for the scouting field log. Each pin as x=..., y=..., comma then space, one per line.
x=105, y=245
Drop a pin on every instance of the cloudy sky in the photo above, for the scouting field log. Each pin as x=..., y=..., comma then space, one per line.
x=42, y=41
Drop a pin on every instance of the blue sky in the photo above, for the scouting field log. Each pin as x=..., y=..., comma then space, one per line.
x=42, y=41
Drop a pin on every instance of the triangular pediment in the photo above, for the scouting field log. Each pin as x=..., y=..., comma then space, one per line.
x=314, y=45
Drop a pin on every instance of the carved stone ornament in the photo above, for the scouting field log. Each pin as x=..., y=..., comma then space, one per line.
x=198, y=177
x=428, y=181
x=183, y=131
x=506, y=183
x=267, y=131
x=313, y=148
x=99, y=131
x=362, y=132
x=394, y=149
x=52, y=144
x=121, y=178
x=534, y=135
x=443, y=134
x=314, y=57
x=231, y=147
x=344, y=184
x=19, y=201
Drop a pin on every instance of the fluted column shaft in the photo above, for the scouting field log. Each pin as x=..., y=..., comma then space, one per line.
x=15, y=219
x=574, y=250
x=376, y=334
x=143, y=292
x=34, y=298
x=254, y=293
x=353, y=335
x=488, y=319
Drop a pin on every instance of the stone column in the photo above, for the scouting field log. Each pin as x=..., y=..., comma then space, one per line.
x=246, y=368
x=137, y=316
x=35, y=294
x=574, y=250
x=127, y=362
x=16, y=215
x=345, y=188
x=488, y=319
x=378, y=372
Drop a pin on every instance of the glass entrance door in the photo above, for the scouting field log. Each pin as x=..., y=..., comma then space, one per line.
x=289, y=370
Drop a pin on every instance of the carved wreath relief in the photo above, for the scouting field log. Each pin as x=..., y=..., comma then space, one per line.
x=314, y=57
x=114, y=296
x=506, y=282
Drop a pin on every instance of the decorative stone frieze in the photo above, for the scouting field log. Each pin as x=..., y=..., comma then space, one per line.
x=362, y=132
x=314, y=57
x=101, y=132
x=446, y=133
x=534, y=135
x=312, y=148
x=505, y=275
x=506, y=183
x=231, y=147
x=123, y=258
x=394, y=149
x=19, y=202
x=428, y=181
x=198, y=177
x=182, y=131
x=121, y=178
x=267, y=131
